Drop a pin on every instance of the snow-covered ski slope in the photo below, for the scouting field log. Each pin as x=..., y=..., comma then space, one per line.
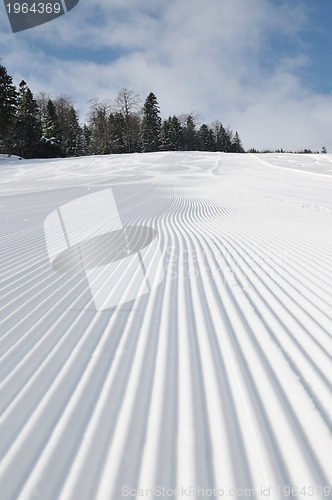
x=220, y=377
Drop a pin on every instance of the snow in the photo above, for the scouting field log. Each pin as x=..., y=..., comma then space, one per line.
x=4, y=158
x=220, y=377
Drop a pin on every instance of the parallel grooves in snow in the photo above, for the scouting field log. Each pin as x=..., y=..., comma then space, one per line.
x=219, y=377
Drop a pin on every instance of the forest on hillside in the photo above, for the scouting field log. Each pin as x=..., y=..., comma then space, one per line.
x=44, y=127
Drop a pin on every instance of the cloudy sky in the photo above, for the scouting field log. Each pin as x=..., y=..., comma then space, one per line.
x=262, y=67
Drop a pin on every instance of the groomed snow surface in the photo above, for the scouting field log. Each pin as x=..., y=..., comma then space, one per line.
x=216, y=383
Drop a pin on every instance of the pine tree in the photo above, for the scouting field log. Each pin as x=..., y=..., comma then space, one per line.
x=27, y=125
x=237, y=144
x=206, y=138
x=49, y=144
x=227, y=140
x=86, y=139
x=8, y=106
x=51, y=126
x=176, y=134
x=171, y=136
x=190, y=135
x=119, y=133
x=70, y=130
x=164, y=135
x=151, y=125
x=74, y=141
x=135, y=133
x=219, y=134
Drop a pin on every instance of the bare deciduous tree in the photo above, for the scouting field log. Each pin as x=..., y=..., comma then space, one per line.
x=129, y=105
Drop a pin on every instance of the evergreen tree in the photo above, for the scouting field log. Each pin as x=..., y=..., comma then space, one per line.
x=8, y=106
x=237, y=144
x=206, y=138
x=51, y=127
x=219, y=134
x=165, y=143
x=176, y=134
x=49, y=144
x=135, y=133
x=227, y=140
x=190, y=135
x=118, y=133
x=74, y=141
x=151, y=124
x=70, y=130
x=86, y=139
x=171, y=136
x=27, y=125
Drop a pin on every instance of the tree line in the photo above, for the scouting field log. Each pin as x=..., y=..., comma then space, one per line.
x=42, y=127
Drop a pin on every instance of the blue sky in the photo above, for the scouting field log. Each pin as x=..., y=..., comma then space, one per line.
x=262, y=67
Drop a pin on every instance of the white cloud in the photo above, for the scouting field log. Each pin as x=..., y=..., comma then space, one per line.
x=213, y=58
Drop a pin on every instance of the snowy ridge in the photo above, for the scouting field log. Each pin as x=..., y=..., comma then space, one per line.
x=220, y=377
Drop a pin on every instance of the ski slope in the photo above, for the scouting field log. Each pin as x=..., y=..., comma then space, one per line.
x=217, y=383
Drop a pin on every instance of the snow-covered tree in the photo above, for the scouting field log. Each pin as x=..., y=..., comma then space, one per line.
x=49, y=144
x=51, y=127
